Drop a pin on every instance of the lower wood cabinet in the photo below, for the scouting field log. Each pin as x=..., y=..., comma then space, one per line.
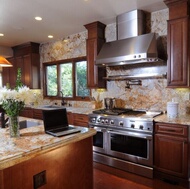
x=37, y=114
x=73, y=118
x=171, y=150
x=70, y=118
x=80, y=120
x=27, y=112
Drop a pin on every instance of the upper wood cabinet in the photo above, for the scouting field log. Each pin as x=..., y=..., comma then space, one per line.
x=26, y=57
x=178, y=44
x=96, y=38
x=9, y=74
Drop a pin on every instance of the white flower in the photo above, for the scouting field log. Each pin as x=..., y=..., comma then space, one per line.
x=23, y=94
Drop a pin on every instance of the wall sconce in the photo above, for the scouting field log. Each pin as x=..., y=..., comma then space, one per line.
x=4, y=62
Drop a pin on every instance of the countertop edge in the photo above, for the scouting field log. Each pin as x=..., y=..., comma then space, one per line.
x=180, y=119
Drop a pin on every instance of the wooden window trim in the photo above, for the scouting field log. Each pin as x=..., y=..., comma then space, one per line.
x=58, y=63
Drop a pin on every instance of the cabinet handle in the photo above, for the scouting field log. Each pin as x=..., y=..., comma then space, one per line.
x=171, y=130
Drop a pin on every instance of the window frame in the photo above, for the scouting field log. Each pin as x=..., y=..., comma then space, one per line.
x=58, y=63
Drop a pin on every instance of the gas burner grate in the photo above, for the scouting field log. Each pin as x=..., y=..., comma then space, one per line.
x=114, y=111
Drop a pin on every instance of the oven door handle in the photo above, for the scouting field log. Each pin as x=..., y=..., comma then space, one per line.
x=99, y=129
x=126, y=133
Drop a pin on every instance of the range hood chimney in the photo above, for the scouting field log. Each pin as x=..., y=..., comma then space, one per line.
x=133, y=46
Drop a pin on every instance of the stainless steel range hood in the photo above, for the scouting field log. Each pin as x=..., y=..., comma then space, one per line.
x=129, y=50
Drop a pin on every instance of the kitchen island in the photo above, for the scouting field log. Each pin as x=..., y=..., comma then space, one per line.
x=37, y=159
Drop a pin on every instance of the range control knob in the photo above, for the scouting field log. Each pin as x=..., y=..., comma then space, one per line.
x=121, y=123
x=141, y=127
x=102, y=121
x=133, y=126
x=93, y=120
x=98, y=120
x=112, y=122
x=106, y=121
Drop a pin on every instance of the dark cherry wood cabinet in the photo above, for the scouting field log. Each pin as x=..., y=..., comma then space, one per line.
x=80, y=120
x=171, y=152
x=37, y=114
x=27, y=112
x=178, y=45
x=70, y=118
x=9, y=74
x=26, y=57
x=73, y=118
x=96, y=38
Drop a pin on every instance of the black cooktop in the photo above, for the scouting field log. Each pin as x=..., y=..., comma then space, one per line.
x=118, y=111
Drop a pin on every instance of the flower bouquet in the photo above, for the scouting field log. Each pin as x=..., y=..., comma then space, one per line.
x=13, y=102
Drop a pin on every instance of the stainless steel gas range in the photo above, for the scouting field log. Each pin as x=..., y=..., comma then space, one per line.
x=124, y=139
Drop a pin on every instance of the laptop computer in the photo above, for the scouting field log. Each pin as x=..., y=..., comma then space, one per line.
x=56, y=123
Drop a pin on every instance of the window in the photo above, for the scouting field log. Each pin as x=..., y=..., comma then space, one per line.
x=66, y=78
x=66, y=85
x=51, y=72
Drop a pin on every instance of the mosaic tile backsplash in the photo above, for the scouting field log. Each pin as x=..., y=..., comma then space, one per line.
x=151, y=94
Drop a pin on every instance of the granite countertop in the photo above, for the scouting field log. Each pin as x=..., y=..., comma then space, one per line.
x=32, y=142
x=181, y=119
x=78, y=110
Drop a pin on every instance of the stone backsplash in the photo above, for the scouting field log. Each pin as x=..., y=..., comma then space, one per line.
x=151, y=94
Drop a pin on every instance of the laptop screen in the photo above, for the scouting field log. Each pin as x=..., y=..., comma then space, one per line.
x=55, y=118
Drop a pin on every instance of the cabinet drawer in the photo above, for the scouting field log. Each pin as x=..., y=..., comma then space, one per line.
x=80, y=120
x=172, y=129
x=80, y=117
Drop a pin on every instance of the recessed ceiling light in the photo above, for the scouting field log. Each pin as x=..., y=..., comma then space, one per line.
x=38, y=18
x=50, y=36
x=1, y=34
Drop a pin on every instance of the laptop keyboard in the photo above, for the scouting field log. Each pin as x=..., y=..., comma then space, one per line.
x=62, y=129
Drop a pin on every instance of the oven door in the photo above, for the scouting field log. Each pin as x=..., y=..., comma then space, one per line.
x=132, y=146
x=100, y=139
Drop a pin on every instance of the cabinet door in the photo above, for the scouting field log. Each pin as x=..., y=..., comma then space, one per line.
x=9, y=74
x=27, y=70
x=178, y=68
x=170, y=155
x=92, y=70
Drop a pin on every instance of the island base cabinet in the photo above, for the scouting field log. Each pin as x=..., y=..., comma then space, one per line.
x=68, y=167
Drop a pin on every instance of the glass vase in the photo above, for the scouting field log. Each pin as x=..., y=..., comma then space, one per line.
x=14, y=127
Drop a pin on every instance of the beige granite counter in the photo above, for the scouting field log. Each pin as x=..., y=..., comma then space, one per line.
x=32, y=142
x=78, y=110
x=181, y=119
